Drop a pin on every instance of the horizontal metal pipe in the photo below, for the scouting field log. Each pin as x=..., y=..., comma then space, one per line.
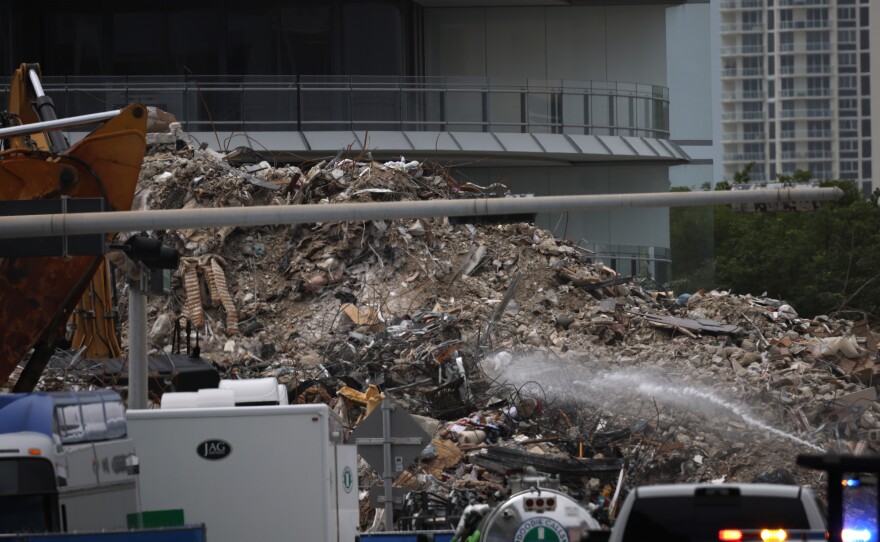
x=49, y=125
x=176, y=219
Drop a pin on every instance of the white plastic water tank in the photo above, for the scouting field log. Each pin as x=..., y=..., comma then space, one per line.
x=210, y=397
x=253, y=390
x=180, y=399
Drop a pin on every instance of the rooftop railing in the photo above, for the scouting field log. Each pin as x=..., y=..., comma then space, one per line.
x=329, y=103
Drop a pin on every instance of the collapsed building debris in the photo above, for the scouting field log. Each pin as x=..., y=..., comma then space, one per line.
x=519, y=350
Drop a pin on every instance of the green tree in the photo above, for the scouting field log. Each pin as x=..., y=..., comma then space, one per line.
x=817, y=261
x=744, y=175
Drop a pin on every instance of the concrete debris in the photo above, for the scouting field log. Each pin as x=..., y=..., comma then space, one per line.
x=520, y=350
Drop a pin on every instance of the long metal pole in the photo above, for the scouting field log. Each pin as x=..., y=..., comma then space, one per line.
x=388, y=474
x=85, y=223
x=137, y=347
x=49, y=125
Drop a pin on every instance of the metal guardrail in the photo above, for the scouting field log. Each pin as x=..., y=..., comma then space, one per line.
x=315, y=103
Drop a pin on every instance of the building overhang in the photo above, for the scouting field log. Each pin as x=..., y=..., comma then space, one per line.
x=479, y=148
x=526, y=3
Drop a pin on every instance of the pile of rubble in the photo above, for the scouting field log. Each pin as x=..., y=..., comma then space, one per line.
x=515, y=348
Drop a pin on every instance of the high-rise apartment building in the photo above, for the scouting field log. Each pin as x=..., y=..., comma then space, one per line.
x=796, y=88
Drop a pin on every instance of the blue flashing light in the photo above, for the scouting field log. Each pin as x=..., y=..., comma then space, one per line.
x=856, y=535
x=851, y=483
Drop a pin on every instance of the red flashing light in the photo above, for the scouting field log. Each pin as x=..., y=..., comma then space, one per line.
x=730, y=535
x=540, y=502
x=529, y=503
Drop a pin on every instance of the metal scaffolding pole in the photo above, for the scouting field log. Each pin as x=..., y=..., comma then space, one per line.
x=85, y=223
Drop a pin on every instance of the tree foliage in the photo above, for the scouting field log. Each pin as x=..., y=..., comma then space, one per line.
x=818, y=261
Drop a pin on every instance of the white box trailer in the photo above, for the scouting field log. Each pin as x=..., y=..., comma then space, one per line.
x=267, y=473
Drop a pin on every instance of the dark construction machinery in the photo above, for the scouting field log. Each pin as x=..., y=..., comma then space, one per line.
x=48, y=283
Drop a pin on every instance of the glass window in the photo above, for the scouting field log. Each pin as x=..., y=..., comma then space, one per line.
x=139, y=46
x=847, y=82
x=250, y=52
x=73, y=42
x=306, y=38
x=195, y=43
x=70, y=425
x=692, y=519
x=372, y=39
x=93, y=420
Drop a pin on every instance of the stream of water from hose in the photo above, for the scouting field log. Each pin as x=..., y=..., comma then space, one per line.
x=573, y=382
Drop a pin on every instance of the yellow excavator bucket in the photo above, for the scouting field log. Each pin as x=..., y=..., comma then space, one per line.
x=38, y=295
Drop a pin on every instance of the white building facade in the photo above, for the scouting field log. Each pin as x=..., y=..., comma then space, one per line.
x=797, y=88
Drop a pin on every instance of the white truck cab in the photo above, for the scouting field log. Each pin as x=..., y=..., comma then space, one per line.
x=700, y=512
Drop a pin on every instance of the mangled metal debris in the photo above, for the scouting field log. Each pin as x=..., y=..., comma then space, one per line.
x=345, y=313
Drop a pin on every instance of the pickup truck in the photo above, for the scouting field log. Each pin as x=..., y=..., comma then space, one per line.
x=714, y=512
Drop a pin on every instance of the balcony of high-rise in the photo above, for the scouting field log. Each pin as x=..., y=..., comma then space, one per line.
x=809, y=24
x=805, y=3
x=737, y=73
x=738, y=137
x=744, y=157
x=824, y=113
x=408, y=105
x=800, y=93
x=742, y=28
x=807, y=155
x=805, y=134
x=742, y=50
x=743, y=95
x=804, y=69
x=805, y=47
x=741, y=115
x=741, y=4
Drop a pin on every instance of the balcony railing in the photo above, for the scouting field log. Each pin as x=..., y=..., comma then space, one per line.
x=742, y=4
x=742, y=72
x=746, y=95
x=746, y=136
x=797, y=25
x=805, y=92
x=742, y=27
x=804, y=2
x=807, y=155
x=742, y=50
x=805, y=134
x=804, y=47
x=804, y=113
x=804, y=70
x=744, y=157
x=320, y=103
x=743, y=115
